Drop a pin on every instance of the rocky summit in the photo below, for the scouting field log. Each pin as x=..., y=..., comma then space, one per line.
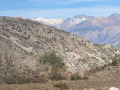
x=25, y=39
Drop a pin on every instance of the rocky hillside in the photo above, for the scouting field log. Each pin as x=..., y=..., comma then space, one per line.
x=25, y=39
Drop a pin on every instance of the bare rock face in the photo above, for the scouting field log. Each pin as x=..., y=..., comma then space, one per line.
x=26, y=38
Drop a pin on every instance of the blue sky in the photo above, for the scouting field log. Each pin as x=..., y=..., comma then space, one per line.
x=58, y=8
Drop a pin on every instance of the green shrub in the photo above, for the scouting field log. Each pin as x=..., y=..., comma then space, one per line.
x=75, y=77
x=114, y=63
x=58, y=69
x=52, y=59
x=78, y=76
x=116, y=60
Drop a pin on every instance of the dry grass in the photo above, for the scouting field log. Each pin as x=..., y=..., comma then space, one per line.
x=59, y=74
x=72, y=85
x=62, y=85
x=79, y=76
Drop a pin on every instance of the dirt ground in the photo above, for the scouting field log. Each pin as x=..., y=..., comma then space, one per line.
x=101, y=80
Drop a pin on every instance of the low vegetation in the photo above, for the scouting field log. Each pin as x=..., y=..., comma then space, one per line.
x=62, y=85
x=59, y=73
x=58, y=70
x=114, y=63
x=78, y=76
x=116, y=60
x=49, y=66
x=52, y=59
x=11, y=73
x=75, y=77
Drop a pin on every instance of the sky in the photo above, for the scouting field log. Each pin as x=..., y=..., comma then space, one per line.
x=58, y=8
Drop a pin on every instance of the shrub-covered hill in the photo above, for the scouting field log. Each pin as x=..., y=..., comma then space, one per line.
x=25, y=40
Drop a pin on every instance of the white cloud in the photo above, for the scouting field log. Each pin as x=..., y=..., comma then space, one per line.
x=62, y=13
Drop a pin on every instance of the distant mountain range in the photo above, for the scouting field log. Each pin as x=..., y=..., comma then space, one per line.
x=100, y=30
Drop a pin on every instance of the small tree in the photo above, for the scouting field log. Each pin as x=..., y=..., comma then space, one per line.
x=52, y=59
x=58, y=70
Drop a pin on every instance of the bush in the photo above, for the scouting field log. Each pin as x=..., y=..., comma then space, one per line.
x=40, y=79
x=11, y=73
x=20, y=78
x=52, y=59
x=59, y=73
x=114, y=63
x=116, y=60
x=58, y=69
x=75, y=77
x=78, y=76
x=62, y=85
x=17, y=80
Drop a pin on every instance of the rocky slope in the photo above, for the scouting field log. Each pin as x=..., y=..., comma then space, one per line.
x=26, y=38
x=98, y=30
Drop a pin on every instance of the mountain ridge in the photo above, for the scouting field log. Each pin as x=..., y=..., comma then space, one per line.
x=100, y=30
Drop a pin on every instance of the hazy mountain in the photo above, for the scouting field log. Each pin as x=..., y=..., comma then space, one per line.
x=98, y=30
x=108, y=31
x=50, y=22
x=24, y=39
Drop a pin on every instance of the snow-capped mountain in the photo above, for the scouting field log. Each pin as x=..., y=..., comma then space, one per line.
x=66, y=24
x=70, y=23
x=50, y=22
x=107, y=31
x=98, y=30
